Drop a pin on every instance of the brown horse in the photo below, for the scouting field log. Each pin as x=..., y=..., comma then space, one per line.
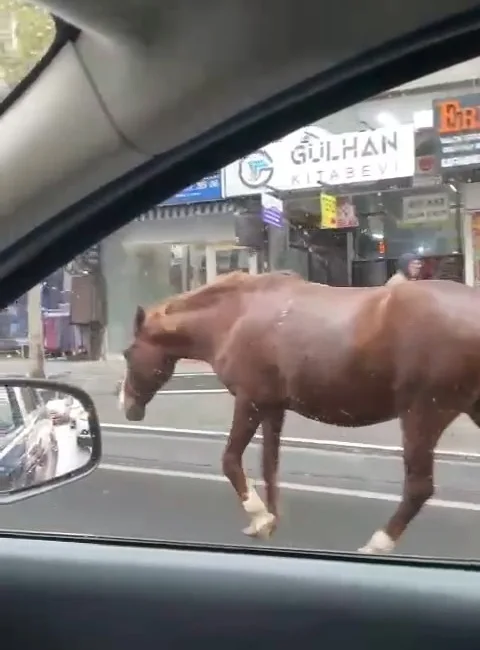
x=345, y=356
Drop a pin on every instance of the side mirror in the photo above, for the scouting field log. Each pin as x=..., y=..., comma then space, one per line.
x=49, y=436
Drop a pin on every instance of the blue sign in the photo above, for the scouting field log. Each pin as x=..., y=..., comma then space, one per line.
x=208, y=189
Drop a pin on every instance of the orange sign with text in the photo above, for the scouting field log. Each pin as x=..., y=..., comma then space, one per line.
x=453, y=117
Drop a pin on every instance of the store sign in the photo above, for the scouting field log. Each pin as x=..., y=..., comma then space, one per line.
x=272, y=210
x=457, y=131
x=346, y=213
x=425, y=209
x=315, y=159
x=426, y=161
x=328, y=211
x=208, y=189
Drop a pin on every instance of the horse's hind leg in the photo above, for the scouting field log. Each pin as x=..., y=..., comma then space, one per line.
x=422, y=428
x=272, y=426
x=246, y=418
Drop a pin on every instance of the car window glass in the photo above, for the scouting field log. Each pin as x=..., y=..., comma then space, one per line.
x=7, y=420
x=340, y=202
x=10, y=416
x=26, y=34
x=29, y=399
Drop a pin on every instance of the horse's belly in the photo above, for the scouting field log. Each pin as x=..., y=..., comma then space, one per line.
x=355, y=405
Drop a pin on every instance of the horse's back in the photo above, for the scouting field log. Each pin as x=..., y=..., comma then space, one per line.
x=332, y=350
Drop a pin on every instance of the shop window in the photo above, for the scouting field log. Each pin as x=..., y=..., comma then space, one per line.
x=392, y=223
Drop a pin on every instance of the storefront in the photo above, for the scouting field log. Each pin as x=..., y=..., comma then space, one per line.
x=389, y=199
x=59, y=334
x=337, y=207
x=457, y=138
x=172, y=248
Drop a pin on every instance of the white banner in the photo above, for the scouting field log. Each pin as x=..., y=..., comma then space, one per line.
x=426, y=208
x=312, y=158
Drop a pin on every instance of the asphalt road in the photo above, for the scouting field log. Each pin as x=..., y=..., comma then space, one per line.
x=152, y=506
x=456, y=481
x=156, y=487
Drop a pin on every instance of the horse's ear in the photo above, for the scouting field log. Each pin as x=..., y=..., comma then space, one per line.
x=139, y=320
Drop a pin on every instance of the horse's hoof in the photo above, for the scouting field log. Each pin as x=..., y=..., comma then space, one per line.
x=262, y=527
x=367, y=550
x=379, y=544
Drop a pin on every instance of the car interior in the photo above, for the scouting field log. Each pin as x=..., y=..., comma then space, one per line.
x=134, y=101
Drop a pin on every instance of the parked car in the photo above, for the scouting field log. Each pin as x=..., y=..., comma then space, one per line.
x=65, y=409
x=28, y=443
x=79, y=422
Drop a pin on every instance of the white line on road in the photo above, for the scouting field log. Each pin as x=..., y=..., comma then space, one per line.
x=193, y=374
x=297, y=487
x=142, y=427
x=312, y=442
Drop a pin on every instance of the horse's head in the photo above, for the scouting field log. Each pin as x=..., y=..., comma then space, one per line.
x=150, y=364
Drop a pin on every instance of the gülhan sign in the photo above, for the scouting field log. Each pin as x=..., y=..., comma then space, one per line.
x=312, y=157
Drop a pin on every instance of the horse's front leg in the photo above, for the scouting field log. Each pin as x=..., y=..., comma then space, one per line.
x=422, y=427
x=246, y=418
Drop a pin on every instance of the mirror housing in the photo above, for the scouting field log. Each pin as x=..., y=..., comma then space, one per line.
x=49, y=436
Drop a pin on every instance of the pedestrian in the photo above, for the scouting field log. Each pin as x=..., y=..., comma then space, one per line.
x=408, y=268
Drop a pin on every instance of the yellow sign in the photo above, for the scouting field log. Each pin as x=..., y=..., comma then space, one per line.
x=328, y=210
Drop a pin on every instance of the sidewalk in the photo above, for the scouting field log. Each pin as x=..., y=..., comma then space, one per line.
x=96, y=377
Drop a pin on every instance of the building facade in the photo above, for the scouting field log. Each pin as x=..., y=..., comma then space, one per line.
x=338, y=201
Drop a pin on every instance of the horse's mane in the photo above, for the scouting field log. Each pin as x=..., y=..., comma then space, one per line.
x=208, y=293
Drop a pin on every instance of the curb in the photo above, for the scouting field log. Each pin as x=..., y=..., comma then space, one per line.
x=334, y=446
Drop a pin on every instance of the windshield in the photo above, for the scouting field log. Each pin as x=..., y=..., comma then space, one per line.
x=26, y=33
x=356, y=355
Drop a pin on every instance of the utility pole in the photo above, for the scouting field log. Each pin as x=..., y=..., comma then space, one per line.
x=36, y=352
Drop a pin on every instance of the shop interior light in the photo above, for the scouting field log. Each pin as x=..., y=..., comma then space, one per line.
x=387, y=119
x=423, y=119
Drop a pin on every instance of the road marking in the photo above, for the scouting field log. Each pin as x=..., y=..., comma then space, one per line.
x=140, y=427
x=296, y=487
x=193, y=374
x=192, y=391
x=334, y=445
x=463, y=460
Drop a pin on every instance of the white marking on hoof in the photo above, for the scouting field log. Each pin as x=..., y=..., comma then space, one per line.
x=262, y=526
x=253, y=504
x=262, y=522
x=379, y=543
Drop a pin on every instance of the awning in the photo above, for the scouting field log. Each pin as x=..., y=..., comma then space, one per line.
x=161, y=212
